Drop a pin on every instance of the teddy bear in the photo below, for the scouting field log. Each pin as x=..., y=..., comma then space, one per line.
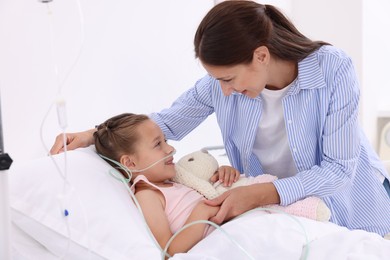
x=194, y=170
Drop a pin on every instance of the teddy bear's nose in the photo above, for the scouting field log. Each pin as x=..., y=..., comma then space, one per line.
x=191, y=159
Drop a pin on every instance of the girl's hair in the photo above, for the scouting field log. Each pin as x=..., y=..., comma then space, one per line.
x=118, y=135
x=233, y=30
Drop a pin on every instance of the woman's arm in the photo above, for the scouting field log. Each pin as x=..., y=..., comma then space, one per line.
x=339, y=140
x=73, y=141
x=187, y=111
x=239, y=200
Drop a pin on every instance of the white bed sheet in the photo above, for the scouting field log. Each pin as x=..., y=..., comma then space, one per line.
x=24, y=247
x=277, y=236
x=262, y=236
x=117, y=231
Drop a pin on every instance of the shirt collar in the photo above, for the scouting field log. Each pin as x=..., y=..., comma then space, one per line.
x=310, y=75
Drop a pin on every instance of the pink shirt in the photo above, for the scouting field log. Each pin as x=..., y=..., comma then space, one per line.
x=179, y=203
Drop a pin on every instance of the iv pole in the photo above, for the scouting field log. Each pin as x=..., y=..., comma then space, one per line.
x=5, y=218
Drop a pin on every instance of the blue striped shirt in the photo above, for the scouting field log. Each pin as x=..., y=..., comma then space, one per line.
x=333, y=157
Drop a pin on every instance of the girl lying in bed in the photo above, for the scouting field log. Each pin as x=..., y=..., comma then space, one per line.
x=137, y=143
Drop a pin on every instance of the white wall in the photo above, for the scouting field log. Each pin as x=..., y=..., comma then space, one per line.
x=339, y=23
x=376, y=56
x=138, y=57
x=336, y=22
x=359, y=27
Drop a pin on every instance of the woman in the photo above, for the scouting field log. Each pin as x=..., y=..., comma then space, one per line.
x=286, y=106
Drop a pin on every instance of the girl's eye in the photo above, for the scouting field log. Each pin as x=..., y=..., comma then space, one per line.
x=160, y=143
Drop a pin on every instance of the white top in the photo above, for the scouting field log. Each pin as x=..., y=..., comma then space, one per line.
x=271, y=144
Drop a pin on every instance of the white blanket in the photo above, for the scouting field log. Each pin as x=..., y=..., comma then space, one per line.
x=277, y=236
x=104, y=223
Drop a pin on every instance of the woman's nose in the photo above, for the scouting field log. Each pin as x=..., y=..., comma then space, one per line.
x=226, y=90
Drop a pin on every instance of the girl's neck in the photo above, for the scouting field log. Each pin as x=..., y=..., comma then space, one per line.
x=144, y=185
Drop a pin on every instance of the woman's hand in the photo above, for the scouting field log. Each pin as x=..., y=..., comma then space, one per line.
x=73, y=141
x=226, y=175
x=242, y=199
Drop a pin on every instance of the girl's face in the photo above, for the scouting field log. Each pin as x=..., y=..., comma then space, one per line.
x=248, y=79
x=150, y=148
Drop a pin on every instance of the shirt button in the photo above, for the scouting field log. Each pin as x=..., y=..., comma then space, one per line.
x=289, y=121
x=295, y=150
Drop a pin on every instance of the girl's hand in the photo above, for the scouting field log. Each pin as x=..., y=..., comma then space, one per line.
x=227, y=175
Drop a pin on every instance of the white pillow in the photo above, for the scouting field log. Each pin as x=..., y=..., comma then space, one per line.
x=103, y=220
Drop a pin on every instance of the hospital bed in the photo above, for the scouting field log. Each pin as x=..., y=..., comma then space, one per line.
x=102, y=222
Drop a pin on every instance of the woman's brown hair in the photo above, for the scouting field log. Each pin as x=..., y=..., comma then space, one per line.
x=233, y=30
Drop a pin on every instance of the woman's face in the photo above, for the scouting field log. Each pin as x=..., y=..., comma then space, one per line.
x=150, y=148
x=247, y=79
